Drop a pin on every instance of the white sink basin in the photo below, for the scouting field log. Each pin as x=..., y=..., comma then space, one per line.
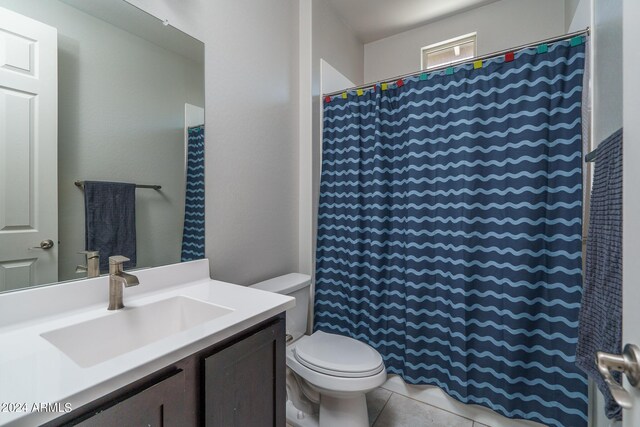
x=97, y=340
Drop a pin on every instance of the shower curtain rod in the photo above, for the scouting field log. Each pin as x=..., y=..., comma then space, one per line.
x=477, y=58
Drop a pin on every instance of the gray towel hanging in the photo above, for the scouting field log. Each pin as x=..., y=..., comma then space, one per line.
x=110, y=221
x=600, y=327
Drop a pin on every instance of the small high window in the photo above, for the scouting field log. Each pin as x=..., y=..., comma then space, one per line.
x=449, y=52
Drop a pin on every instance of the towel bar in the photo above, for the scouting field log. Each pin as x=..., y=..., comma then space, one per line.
x=80, y=184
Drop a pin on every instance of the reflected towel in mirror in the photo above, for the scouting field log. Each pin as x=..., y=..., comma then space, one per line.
x=110, y=220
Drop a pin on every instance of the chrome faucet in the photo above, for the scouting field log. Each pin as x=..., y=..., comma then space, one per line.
x=93, y=264
x=118, y=278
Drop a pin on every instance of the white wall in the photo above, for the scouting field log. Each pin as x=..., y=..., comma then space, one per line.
x=335, y=43
x=251, y=234
x=577, y=15
x=570, y=7
x=332, y=80
x=115, y=124
x=499, y=25
x=253, y=134
x=607, y=71
x=185, y=15
x=252, y=139
x=305, y=137
x=193, y=116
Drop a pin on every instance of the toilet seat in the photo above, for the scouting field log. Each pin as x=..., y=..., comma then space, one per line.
x=338, y=356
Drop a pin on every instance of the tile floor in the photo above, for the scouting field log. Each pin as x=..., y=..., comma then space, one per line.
x=388, y=409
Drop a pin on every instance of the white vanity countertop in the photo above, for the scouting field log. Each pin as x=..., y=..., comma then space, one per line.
x=33, y=371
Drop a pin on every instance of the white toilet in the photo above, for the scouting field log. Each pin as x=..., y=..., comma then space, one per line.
x=327, y=374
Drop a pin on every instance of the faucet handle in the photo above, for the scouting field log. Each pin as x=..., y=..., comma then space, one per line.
x=118, y=259
x=89, y=254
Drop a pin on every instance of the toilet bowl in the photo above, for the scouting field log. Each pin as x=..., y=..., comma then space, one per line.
x=327, y=374
x=341, y=370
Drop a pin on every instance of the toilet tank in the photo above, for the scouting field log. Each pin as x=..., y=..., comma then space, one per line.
x=294, y=285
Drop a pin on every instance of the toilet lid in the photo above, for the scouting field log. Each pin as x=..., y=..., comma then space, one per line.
x=338, y=355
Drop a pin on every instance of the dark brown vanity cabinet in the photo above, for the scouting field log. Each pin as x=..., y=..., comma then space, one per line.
x=162, y=404
x=244, y=384
x=239, y=382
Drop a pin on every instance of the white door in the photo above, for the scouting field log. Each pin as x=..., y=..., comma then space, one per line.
x=631, y=192
x=28, y=151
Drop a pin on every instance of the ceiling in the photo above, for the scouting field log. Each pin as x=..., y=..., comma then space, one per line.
x=372, y=20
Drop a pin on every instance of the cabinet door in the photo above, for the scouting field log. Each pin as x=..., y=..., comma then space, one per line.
x=244, y=384
x=161, y=404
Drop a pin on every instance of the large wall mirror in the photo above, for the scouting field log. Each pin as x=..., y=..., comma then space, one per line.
x=95, y=91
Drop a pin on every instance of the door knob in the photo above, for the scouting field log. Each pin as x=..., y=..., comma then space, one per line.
x=45, y=244
x=627, y=363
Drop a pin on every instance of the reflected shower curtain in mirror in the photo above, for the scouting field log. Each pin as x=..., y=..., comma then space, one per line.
x=193, y=232
x=449, y=229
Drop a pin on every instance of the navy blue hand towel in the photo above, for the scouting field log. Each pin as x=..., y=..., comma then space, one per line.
x=110, y=220
x=600, y=326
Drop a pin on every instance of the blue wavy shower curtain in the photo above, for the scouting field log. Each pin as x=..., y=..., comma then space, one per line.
x=193, y=231
x=449, y=229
